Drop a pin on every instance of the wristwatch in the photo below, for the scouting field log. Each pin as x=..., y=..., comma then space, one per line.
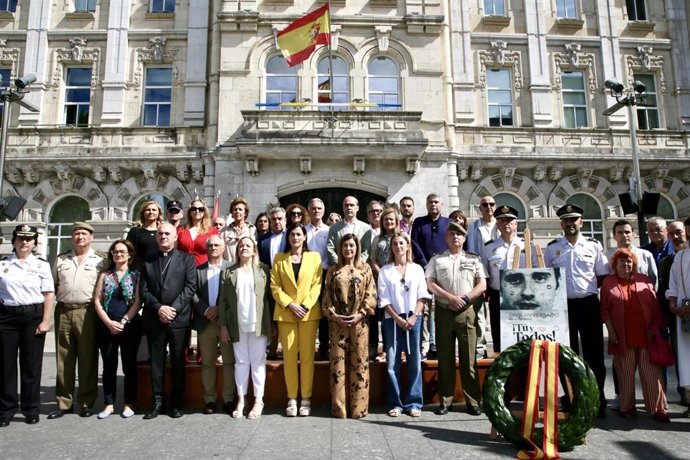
x=124, y=320
x=466, y=299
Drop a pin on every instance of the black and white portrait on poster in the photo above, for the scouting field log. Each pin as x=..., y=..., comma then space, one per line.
x=534, y=305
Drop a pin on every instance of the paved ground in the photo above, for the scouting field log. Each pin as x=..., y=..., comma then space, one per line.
x=274, y=436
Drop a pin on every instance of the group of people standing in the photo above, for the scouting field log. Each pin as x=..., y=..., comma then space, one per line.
x=289, y=278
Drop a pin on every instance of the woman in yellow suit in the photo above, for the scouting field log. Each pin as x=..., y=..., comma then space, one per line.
x=295, y=285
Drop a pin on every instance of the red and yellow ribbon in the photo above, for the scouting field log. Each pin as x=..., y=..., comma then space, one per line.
x=543, y=353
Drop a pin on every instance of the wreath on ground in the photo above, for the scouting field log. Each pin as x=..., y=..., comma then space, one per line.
x=583, y=410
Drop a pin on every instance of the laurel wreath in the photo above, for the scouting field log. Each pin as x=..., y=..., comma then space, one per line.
x=583, y=411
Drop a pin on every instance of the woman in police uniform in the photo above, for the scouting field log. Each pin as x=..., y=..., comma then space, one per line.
x=26, y=306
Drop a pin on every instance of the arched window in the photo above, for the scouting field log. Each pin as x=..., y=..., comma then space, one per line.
x=160, y=199
x=384, y=83
x=281, y=82
x=592, y=219
x=511, y=200
x=341, y=83
x=64, y=213
x=665, y=209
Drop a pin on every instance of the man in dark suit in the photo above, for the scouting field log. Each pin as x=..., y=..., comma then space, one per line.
x=270, y=244
x=205, y=322
x=168, y=283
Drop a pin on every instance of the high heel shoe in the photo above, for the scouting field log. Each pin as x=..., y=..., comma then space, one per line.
x=291, y=410
x=305, y=408
x=256, y=410
x=239, y=410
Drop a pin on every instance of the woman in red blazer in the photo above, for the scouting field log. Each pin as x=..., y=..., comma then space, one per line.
x=629, y=308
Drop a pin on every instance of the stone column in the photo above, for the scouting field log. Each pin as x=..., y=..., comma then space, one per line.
x=540, y=78
x=115, y=78
x=195, y=81
x=36, y=53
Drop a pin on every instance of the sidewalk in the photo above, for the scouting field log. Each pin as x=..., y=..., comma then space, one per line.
x=456, y=435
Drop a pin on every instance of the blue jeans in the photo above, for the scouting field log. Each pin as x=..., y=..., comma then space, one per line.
x=396, y=342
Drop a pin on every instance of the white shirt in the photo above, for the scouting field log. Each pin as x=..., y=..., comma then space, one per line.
x=24, y=283
x=498, y=255
x=213, y=277
x=402, y=293
x=276, y=244
x=582, y=263
x=480, y=233
x=246, y=300
x=317, y=238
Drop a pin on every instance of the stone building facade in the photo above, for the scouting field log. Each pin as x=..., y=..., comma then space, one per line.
x=182, y=98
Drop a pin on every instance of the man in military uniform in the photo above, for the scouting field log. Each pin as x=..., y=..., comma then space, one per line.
x=498, y=255
x=584, y=265
x=75, y=275
x=457, y=279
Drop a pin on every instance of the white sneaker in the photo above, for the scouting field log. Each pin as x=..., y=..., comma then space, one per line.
x=616, y=404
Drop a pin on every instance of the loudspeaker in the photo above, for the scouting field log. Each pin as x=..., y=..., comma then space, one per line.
x=650, y=201
x=628, y=202
x=14, y=207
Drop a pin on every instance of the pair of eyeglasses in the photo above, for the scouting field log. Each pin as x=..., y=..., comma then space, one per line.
x=296, y=214
x=486, y=205
x=405, y=286
x=376, y=211
x=119, y=253
x=196, y=209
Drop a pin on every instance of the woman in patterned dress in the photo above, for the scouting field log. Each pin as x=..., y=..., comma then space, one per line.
x=349, y=297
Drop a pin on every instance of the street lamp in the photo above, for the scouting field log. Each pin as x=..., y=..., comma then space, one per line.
x=629, y=99
x=13, y=93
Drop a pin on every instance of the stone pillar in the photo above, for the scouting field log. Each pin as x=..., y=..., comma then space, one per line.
x=540, y=78
x=115, y=78
x=610, y=53
x=195, y=81
x=36, y=55
x=462, y=65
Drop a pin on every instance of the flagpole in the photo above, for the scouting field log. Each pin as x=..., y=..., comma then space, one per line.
x=330, y=68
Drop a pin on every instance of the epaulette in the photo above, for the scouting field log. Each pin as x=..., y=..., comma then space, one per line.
x=489, y=242
x=469, y=253
x=5, y=258
x=64, y=253
x=42, y=259
x=552, y=241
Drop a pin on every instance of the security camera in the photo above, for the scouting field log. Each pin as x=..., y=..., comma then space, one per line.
x=639, y=87
x=25, y=81
x=614, y=85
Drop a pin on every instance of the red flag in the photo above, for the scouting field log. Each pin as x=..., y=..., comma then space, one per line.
x=299, y=39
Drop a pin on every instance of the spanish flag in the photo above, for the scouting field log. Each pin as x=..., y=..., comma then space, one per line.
x=298, y=40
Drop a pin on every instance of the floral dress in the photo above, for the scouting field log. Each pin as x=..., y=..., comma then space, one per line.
x=349, y=290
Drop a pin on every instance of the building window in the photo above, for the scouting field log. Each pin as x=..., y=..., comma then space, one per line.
x=592, y=219
x=8, y=6
x=77, y=96
x=500, y=95
x=384, y=83
x=84, y=6
x=157, y=96
x=281, y=83
x=162, y=6
x=494, y=8
x=636, y=10
x=341, y=83
x=648, y=115
x=574, y=100
x=4, y=83
x=665, y=208
x=566, y=9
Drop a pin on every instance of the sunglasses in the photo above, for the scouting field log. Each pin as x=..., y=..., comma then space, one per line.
x=405, y=286
x=119, y=253
x=196, y=209
x=486, y=205
x=218, y=224
x=375, y=211
x=296, y=214
x=174, y=211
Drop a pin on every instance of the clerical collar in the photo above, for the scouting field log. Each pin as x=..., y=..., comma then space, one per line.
x=166, y=254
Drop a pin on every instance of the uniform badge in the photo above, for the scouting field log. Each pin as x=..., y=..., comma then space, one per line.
x=558, y=253
x=25, y=228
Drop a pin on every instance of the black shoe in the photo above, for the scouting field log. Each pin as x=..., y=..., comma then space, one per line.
x=155, y=411
x=228, y=407
x=59, y=413
x=32, y=419
x=176, y=413
x=210, y=408
x=474, y=410
x=432, y=354
x=602, y=411
x=85, y=412
x=4, y=422
x=442, y=409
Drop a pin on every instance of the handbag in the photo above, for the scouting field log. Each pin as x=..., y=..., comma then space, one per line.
x=660, y=352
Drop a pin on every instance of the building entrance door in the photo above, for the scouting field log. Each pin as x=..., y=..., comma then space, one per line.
x=333, y=199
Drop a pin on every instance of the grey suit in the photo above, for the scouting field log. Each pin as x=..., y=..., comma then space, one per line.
x=209, y=339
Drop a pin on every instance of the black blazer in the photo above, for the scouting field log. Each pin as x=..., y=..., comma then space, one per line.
x=201, y=300
x=265, y=248
x=176, y=289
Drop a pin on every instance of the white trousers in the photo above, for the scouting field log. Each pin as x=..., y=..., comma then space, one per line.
x=250, y=354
